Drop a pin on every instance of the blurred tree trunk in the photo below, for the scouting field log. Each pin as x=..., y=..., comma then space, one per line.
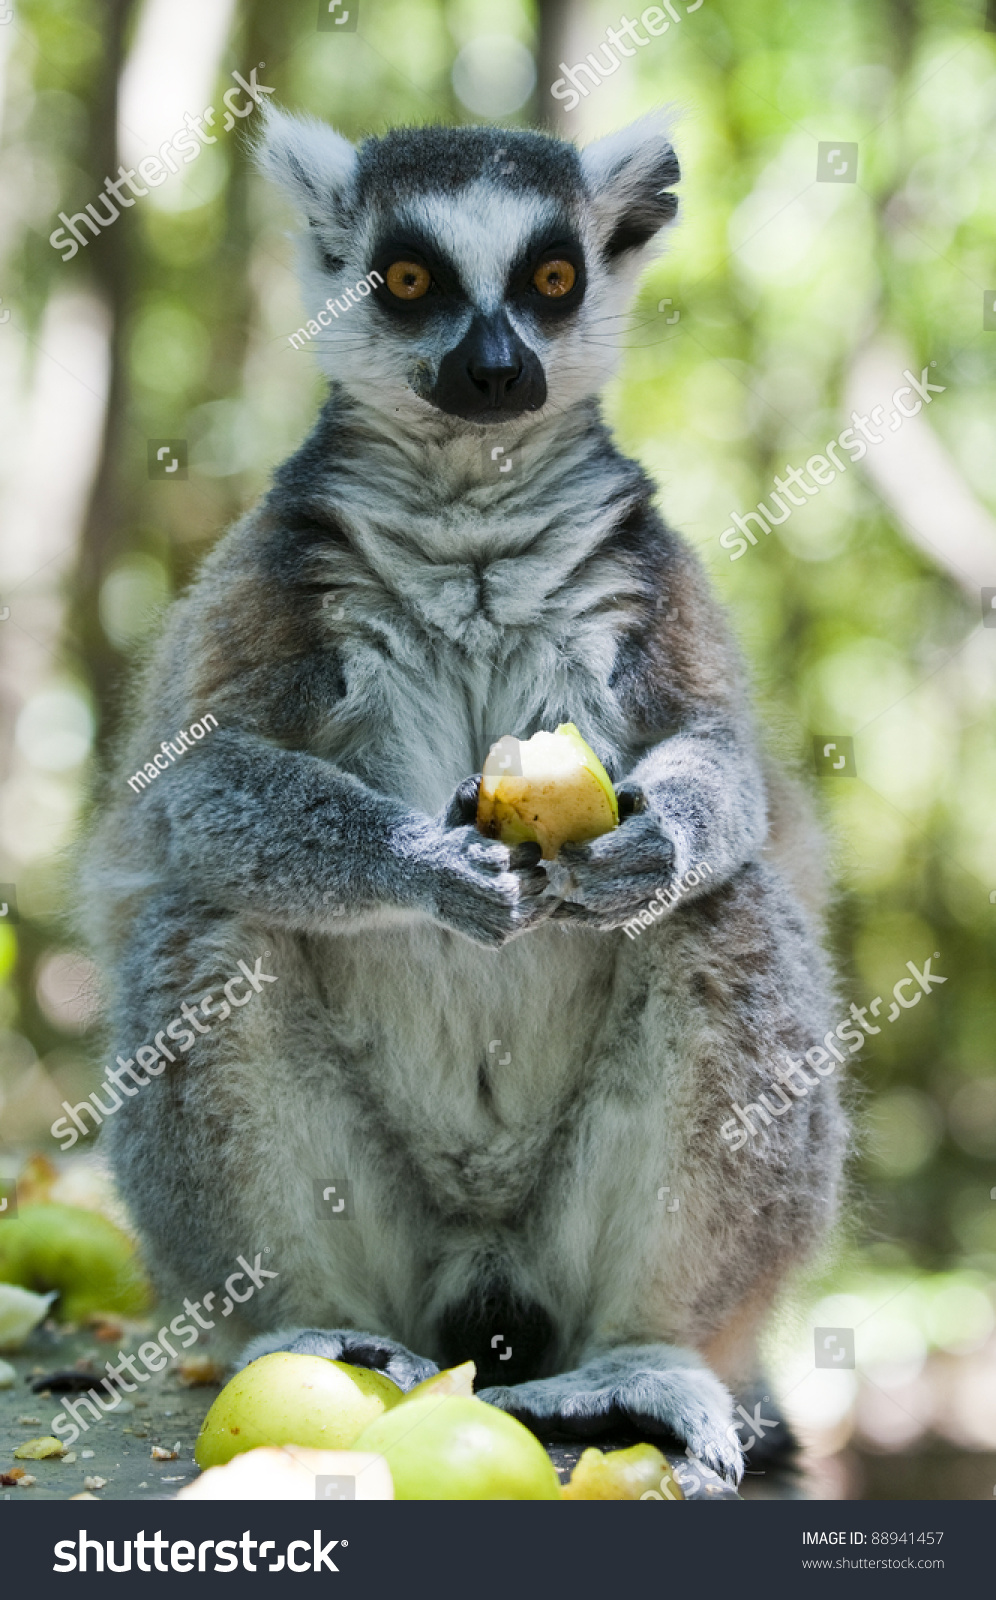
x=108, y=263
x=554, y=16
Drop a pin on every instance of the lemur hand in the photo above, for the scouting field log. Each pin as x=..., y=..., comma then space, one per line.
x=613, y=876
x=479, y=888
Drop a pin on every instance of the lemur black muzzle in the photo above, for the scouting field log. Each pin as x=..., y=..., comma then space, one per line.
x=490, y=375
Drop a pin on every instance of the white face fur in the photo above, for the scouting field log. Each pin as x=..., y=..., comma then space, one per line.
x=479, y=240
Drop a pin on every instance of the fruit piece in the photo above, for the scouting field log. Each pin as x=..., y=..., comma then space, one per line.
x=20, y=1312
x=39, y=1449
x=458, y=1449
x=291, y=1399
x=195, y=1370
x=290, y=1473
x=623, y=1475
x=452, y=1380
x=551, y=789
x=36, y=1179
x=7, y=1375
x=91, y=1264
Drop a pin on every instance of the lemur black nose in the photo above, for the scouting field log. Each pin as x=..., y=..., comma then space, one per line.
x=490, y=374
x=494, y=381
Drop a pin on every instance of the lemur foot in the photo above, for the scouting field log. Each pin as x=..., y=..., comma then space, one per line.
x=653, y=1388
x=344, y=1344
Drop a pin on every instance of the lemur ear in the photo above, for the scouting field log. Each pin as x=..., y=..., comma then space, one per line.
x=629, y=176
x=315, y=166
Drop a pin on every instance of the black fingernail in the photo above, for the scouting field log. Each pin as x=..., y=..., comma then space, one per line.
x=525, y=855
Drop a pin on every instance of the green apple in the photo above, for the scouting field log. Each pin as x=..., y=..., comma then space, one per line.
x=80, y=1254
x=622, y=1475
x=292, y=1399
x=459, y=1449
x=550, y=789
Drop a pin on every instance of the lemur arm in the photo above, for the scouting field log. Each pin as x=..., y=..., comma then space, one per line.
x=254, y=820
x=697, y=793
x=254, y=827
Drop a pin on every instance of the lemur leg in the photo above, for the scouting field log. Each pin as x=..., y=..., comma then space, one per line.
x=345, y=1344
x=217, y=1155
x=682, y=1229
x=657, y=1390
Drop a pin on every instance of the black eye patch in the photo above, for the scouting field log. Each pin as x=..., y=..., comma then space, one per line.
x=445, y=286
x=522, y=287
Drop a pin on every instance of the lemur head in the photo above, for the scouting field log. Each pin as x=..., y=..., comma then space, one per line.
x=473, y=274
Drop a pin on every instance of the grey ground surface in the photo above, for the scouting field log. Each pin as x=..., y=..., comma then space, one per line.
x=166, y=1413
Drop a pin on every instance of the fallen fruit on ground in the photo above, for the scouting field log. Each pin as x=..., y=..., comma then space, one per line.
x=293, y=1473
x=459, y=1449
x=90, y=1263
x=550, y=789
x=39, y=1449
x=452, y=1380
x=293, y=1399
x=195, y=1370
x=622, y=1475
x=21, y=1310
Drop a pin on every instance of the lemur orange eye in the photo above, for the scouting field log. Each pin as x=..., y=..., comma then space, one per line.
x=408, y=280
x=554, y=278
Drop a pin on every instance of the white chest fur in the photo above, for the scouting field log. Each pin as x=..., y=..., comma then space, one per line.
x=463, y=610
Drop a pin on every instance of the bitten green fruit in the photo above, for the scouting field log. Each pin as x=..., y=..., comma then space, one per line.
x=452, y=1380
x=550, y=789
x=622, y=1475
x=80, y=1254
x=289, y=1472
x=459, y=1449
x=292, y=1399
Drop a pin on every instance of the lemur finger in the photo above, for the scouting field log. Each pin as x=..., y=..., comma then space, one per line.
x=631, y=800
x=532, y=882
x=524, y=855
x=462, y=808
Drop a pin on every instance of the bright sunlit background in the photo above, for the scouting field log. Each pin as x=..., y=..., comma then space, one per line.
x=783, y=304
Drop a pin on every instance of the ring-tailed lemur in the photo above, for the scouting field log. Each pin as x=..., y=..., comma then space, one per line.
x=507, y=1081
